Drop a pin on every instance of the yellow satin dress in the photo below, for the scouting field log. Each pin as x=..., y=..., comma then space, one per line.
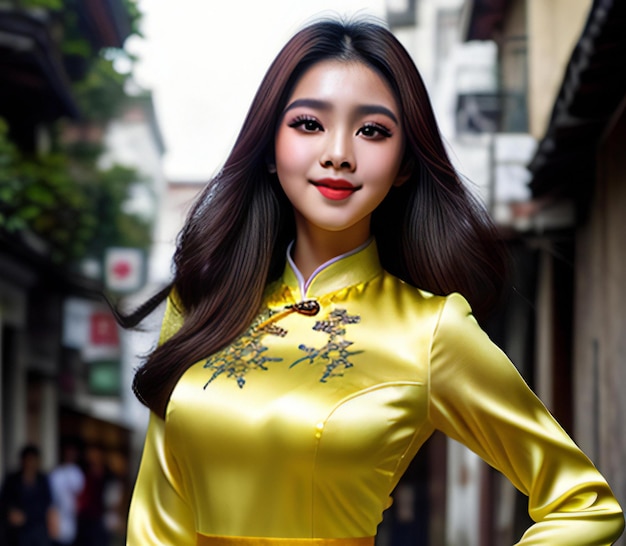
x=297, y=433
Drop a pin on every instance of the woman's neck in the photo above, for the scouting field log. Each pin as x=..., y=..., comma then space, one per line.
x=316, y=247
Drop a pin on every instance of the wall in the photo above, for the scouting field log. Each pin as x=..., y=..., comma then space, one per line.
x=175, y=205
x=554, y=27
x=600, y=343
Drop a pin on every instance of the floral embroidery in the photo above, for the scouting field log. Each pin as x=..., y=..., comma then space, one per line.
x=335, y=353
x=246, y=352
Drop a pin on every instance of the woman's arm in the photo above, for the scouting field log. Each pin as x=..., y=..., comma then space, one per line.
x=478, y=398
x=159, y=512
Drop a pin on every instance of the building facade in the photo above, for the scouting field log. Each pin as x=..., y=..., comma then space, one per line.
x=529, y=94
x=571, y=57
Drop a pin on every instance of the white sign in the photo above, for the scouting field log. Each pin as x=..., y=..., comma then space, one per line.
x=124, y=269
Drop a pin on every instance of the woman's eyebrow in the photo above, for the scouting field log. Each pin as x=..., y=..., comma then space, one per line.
x=362, y=109
x=308, y=103
x=365, y=109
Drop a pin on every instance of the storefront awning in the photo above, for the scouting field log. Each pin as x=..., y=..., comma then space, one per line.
x=594, y=85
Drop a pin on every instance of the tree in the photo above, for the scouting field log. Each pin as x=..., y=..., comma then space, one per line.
x=62, y=196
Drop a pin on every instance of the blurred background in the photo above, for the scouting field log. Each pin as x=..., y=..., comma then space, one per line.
x=114, y=113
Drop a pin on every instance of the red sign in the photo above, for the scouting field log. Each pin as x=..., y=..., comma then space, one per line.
x=121, y=270
x=103, y=329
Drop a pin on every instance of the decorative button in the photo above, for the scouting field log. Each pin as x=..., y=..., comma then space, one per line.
x=310, y=308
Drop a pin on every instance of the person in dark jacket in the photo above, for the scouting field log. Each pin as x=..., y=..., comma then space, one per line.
x=26, y=503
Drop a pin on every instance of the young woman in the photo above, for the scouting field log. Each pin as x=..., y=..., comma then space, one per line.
x=315, y=333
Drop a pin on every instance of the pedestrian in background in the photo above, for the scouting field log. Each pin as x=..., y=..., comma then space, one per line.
x=92, y=530
x=67, y=482
x=26, y=503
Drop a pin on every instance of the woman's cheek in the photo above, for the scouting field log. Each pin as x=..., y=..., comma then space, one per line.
x=295, y=153
x=380, y=164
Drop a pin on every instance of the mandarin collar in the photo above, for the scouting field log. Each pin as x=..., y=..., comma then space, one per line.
x=356, y=266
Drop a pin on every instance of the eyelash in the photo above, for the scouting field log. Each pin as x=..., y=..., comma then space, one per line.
x=302, y=121
x=380, y=131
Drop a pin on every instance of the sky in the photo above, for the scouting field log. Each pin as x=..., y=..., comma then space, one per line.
x=203, y=61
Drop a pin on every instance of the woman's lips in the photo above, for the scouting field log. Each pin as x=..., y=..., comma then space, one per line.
x=335, y=188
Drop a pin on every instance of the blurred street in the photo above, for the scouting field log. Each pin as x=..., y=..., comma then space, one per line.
x=100, y=161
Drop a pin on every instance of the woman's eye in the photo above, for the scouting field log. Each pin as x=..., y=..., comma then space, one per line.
x=374, y=131
x=308, y=125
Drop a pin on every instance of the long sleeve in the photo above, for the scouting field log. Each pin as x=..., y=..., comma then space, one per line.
x=159, y=512
x=478, y=398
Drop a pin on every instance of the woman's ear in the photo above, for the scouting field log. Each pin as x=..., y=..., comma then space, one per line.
x=401, y=179
x=270, y=162
x=405, y=172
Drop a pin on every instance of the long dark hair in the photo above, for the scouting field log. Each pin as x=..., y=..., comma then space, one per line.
x=431, y=231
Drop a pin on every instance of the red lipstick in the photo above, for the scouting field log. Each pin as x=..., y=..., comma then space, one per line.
x=335, y=188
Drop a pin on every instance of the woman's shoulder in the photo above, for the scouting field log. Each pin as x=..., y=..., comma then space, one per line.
x=443, y=315
x=454, y=305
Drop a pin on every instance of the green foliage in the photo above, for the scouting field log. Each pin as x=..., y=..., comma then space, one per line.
x=68, y=6
x=52, y=5
x=101, y=92
x=108, y=196
x=76, y=216
x=135, y=16
x=41, y=196
x=62, y=196
x=9, y=184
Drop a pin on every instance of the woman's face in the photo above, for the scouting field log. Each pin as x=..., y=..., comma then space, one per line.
x=339, y=147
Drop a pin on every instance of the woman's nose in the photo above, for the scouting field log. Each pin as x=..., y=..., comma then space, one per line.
x=338, y=153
